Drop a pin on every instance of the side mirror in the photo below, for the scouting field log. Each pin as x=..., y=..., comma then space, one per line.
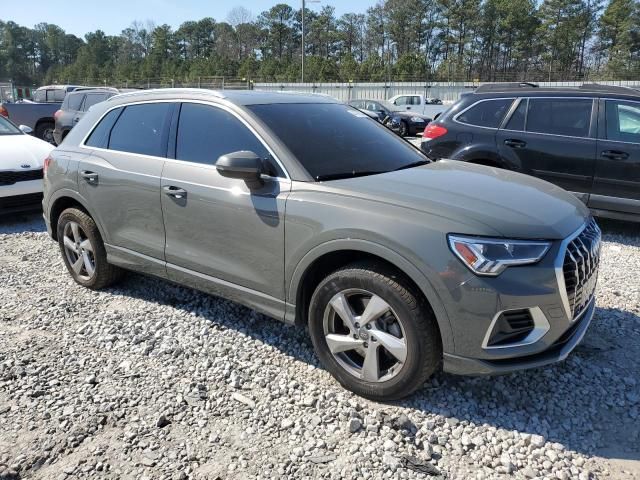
x=26, y=129
x=243, y=165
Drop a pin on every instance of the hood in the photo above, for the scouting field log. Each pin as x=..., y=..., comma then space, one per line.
x=499, y=202
x=19, y=150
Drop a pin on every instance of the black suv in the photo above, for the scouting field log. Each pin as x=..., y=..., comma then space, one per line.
x=584, y=139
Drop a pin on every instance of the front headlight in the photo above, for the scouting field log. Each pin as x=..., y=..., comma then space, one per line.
x=491, y=256
x=417, y=119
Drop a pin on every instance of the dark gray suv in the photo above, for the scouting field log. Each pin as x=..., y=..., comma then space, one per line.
x=315, y=214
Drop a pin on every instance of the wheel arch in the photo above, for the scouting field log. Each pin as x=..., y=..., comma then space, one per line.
x=330, y=256
x=68, y=199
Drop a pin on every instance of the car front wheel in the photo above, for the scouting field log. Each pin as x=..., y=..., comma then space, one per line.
x=373, y=333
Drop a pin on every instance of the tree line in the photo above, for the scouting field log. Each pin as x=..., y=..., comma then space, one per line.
x=424, y=40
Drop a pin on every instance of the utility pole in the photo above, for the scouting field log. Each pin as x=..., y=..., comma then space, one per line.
x=303, y=9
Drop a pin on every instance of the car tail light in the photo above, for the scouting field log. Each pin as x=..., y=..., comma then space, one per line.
x=433, y=131
x=3, y=111
x=45, y=166
x=57, y=114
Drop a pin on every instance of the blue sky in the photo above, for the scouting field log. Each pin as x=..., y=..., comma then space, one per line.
x=112, y=16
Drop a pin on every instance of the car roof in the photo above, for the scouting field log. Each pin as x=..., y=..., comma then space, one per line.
x=84, y=90
x=238, y=97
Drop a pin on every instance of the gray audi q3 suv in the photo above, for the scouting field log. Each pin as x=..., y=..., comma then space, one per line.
x=313, y=213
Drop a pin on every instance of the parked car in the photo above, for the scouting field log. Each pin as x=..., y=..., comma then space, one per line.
x=418, y=104
x=38, y=114
x=402, y=122
x=294, y=206
x=74, y=106
x=21, y=159
x=585, y=140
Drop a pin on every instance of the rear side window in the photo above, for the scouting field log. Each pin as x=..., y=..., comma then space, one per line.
x=73, y=101
x=402, y=101
x=93, y=98
x=57, y=95
x=205, y=133
x=623, y=121
x=142, y=129
x=516, y=122
x=560, y=116
x=99, y=138
x=486, y=113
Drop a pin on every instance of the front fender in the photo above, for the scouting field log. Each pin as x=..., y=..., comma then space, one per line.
x=387, y=254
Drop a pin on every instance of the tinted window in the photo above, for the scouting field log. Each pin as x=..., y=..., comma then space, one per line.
x=623, y=121
x=205, y=133
x=357, y=103
x=40, y=96
x=59, y=94
x=73, y=101
x=141, y=128
x=486, y=113
x=333, y=140
x=560, y=116
x=93, y=98
x=414, y=101
x=402, y=101
x=100, y=136
x=516, y=122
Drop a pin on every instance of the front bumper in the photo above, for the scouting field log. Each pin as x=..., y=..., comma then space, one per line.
x=21, y=197
x=557, y=352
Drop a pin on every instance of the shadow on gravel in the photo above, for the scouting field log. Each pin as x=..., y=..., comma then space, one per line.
x=22, y=222
x=581, y=403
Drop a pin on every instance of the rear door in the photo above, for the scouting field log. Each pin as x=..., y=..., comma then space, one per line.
x=616, y=184
x=553, y=139
x=121, y=180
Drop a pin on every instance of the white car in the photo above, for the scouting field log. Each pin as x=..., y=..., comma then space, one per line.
x=21, y=160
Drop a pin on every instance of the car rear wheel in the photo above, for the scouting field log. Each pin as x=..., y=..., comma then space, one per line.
x=44, y=131
x=83, y=251
x=376, y=336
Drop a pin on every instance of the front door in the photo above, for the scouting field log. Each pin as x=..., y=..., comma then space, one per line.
x=616, y=185
x=552, y=138
x=121, y=178
x=221, y=235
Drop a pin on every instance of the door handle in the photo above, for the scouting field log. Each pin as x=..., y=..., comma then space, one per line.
x=614, y=154
x=175, y=192
x=76, y=119
x=90, y=177
x=513, y=143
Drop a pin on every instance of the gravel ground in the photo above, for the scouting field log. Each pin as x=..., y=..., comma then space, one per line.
x=151, y=380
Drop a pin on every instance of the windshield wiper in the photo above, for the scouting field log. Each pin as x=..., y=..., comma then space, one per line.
x=338, y=176
x=414, y=164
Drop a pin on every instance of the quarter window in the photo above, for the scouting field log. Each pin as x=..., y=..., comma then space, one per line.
x=486, y=113
x=141, y=129
x=99, y=138
x=74, y=101
x=560, y=116
x=92, y=99
x=205, y=133
x=623, y=121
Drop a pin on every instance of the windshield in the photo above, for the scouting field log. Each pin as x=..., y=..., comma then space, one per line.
x=334, y=141
x=8, y=128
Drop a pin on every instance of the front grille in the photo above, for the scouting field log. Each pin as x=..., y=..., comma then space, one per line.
x=511, y=327
x=11, y=177
x=580, y=268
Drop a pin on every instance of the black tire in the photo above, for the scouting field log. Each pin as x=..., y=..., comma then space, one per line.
x=44, y=131
x=404, y=129
x=104, y=273
x=421, y=334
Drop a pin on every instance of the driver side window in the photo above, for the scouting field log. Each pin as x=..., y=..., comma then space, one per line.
x=205, y=133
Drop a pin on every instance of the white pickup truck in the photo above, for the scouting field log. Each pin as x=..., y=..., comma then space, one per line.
x=419, y=104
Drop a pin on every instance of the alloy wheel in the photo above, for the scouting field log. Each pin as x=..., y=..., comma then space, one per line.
x=364, y=335
x=79, y=251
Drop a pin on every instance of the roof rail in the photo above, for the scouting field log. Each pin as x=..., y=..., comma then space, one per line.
x=155, y=91
x=599, y=87
x=501, y=87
